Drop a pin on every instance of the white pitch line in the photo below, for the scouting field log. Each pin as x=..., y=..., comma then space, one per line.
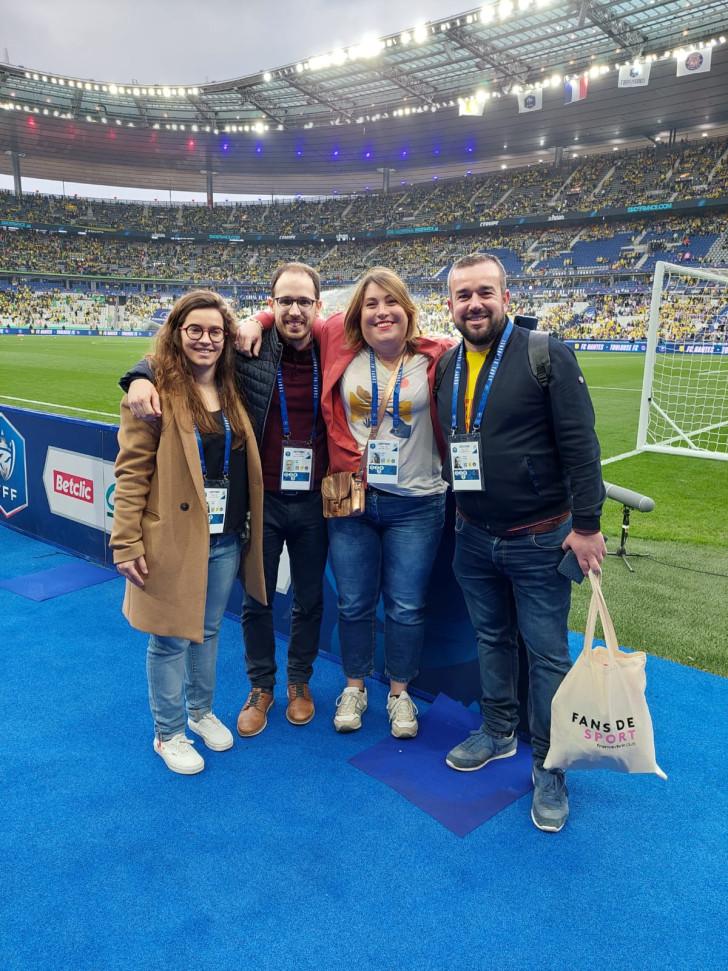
x=618, y=458
x=54, y=404
x=602, y=387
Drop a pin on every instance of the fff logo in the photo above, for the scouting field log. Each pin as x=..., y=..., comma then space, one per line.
x=13, y=470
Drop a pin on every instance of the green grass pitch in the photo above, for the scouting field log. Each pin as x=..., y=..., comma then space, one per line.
x=674, y=604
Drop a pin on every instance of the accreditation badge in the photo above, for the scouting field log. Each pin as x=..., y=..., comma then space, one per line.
x=382, y=462
x=216, y=497
x=296, y=467
x=465, y=463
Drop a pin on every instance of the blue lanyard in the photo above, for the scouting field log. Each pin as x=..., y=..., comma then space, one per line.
x=375, y=393
x=316, y=398
x=475, y=426
x=228, y=445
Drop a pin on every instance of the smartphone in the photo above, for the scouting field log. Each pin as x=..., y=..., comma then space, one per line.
x=569, y=567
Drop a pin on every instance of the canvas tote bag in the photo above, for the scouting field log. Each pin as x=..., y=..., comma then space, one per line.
x=599, y=715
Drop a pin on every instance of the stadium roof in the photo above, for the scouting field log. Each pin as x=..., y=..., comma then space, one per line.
x=333, y=122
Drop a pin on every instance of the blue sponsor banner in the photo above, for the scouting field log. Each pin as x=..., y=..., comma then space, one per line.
x=683, y=347
x=13, y=469
x=57, y=484
x=70, y=481
x=623, y=346
x=55, y=332
x=664, y=347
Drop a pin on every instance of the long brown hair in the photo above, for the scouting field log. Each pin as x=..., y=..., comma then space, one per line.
x=173, y=372
x=389, y=281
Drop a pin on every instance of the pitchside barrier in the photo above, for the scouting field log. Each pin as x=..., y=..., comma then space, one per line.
x=57, y=484
x=640, y=346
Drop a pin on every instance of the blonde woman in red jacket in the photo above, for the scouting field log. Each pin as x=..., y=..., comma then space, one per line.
x=389, y=551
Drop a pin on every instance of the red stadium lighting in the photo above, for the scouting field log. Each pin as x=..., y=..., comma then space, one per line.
x=190, y=143
x=31, y=123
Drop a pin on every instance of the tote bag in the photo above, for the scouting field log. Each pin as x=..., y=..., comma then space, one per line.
x=599, y=715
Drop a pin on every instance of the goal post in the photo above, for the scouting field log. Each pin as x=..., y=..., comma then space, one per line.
x=684, y=404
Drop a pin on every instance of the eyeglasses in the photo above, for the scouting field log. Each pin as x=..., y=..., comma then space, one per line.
x=195, y=332
x=304, y=303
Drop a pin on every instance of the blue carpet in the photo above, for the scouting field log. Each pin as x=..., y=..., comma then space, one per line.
x=416, y=768
x=281, y=855
x=58, y=580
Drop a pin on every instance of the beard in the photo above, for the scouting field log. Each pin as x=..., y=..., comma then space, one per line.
x=484, y=336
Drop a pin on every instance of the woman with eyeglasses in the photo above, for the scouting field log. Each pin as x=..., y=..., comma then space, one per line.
x=389, y=551
x=188, y=501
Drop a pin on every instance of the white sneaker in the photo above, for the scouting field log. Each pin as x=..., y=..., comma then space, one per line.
x=212, y=732
x=178, y=754
x=402, y=716
x=350, y=706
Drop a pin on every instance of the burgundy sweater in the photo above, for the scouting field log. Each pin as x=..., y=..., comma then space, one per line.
x=297, y=368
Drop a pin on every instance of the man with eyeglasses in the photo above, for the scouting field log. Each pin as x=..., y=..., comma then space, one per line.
x=282, y=389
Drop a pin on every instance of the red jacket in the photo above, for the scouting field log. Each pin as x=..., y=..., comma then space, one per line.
x=336, y=355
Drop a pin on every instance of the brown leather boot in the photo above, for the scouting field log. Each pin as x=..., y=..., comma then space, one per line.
x=253, y=715
x=300, y=708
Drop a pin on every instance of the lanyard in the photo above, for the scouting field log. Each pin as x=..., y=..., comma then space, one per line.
x=316, y=397
x=374, y=421
x=475, y=426
x=228, y=444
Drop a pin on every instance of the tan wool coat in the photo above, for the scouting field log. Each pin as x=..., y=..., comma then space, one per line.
x=160, y=512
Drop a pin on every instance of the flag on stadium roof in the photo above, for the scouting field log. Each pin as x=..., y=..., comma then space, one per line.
x=694, y=62
x=471, y=106
x=575, y=89
x=530, y=100
x=634, y=75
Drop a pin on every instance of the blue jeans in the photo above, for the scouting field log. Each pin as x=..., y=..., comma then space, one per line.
x=389, y=551
x=511, y=585
x=179, y=670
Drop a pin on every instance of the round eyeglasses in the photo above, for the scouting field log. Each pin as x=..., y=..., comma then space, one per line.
x=195, y=332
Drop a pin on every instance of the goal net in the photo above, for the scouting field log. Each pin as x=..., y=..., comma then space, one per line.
x=684, y=407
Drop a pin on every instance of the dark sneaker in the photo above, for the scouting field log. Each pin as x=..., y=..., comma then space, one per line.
x=550, y=806
x=479, y=749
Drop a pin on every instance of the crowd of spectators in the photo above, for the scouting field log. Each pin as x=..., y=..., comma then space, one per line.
x=525, y=252
x=656, y=174
x=572, y=315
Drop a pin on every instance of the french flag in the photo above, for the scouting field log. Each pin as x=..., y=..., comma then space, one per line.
x=575, y=89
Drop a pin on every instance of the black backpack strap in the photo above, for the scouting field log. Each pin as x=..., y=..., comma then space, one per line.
x=539, y=359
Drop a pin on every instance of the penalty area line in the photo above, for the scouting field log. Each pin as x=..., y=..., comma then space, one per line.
x=54, y=404
x=624, y=455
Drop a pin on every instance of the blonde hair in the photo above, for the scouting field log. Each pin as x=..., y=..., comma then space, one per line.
x=393, y=285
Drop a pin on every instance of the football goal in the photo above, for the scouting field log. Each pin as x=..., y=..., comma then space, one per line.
x=684, y=406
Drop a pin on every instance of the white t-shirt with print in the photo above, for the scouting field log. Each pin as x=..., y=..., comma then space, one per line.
x=420, y=468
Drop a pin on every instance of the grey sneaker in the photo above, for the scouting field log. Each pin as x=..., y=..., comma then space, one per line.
x=550, y=806
x=479, y=749
x=402, y=715
x=350, y=706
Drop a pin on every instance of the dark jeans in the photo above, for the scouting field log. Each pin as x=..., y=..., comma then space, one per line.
x=298, y=521
x=511, y=585
x=389, y=551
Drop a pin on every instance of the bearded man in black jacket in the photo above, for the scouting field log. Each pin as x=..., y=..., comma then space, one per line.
x=524, y=463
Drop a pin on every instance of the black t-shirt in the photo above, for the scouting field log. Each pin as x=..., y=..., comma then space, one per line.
x=213, y=445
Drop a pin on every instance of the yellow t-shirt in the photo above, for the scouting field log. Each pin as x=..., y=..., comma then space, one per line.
x=475, y=361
